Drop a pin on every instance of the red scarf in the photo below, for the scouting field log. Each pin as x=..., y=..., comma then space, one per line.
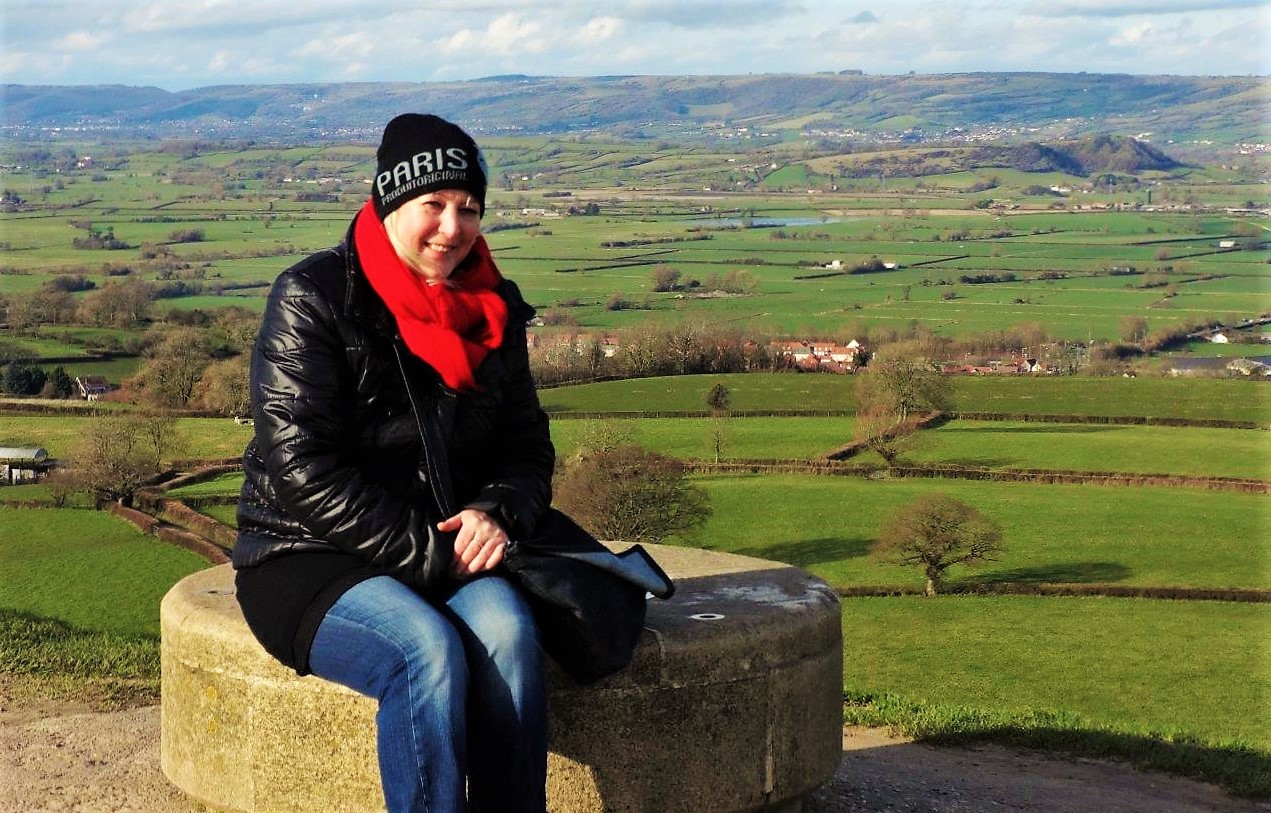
x=451, y=325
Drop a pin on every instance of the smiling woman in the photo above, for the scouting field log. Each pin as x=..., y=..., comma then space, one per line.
x=365, y=557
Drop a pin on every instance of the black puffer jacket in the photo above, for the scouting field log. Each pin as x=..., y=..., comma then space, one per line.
x=340, y=406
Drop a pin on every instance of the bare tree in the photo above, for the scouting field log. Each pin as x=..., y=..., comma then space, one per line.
x=225, y=386
x=937, y=532
x=631, y=494
x=875, y=427
x=665, y=278
x=1134, y=329
x=175, y=366
x=890, y=399
x=118, y=304
x=904, y=386
x=122, y=451
x=718, y=400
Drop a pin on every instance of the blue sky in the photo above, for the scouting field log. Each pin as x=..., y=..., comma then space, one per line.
x=178, y=44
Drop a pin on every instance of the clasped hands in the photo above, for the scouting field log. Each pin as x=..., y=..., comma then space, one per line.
x=479, y=542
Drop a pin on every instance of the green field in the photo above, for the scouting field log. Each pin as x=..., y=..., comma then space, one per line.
x=1084, y=534
x=87, y=569
x=1195, y=399
x=253, y=222
x=1195, y=677
x=198, y=437
x=1198, y=452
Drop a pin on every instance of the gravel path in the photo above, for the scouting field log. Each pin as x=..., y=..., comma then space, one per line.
x=58, y=758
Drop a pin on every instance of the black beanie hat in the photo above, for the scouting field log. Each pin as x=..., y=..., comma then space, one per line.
x=423, y=153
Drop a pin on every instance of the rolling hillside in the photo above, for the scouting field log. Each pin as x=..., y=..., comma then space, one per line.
x=843, y=106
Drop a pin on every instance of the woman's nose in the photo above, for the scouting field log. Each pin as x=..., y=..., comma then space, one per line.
x=449, y=221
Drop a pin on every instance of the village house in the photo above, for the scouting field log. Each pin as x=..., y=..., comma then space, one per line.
x=1016, y=365
x=814, y=356
x=91, y=387
x=578, y=342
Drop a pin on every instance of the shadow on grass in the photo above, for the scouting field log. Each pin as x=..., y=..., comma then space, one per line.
x=46, y=659
x=980, y=462
x=36, y=645
x=1065, y=573
x=811, y=551
x=1041, y=429
x=1238, y=768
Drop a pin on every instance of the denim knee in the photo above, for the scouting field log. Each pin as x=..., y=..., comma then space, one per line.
x=496, y=624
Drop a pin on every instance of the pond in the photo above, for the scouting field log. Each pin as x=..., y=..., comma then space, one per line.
x=761, y=222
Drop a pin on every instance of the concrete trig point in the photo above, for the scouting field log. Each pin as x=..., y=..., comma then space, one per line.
x=733, y=702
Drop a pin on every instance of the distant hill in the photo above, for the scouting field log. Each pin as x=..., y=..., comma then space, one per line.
x=1102, y=153
x=1112, y=154
x=975, y=107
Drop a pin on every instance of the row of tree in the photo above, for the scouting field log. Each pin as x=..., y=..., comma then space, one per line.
x=614, y=487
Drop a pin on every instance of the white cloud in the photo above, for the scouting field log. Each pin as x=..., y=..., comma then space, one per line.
x=505, y=36
x=351, y=46
x=1135, y=34
x=238, y=68
x=81, y=41
x=185, y=43
x=597, y=29
x=1134, y=8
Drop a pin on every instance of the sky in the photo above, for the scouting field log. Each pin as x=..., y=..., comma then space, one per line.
x=182, y=44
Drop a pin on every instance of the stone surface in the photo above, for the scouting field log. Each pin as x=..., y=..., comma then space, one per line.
x=732, y=703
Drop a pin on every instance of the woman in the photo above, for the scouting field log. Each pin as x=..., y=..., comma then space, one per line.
x=346, y=566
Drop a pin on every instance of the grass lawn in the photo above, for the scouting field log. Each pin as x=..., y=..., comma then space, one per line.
x=1187, y=450
x=1195, y=451
x=224, y=484
x=224, y=514
x=1213, y=399
x=740, y=438
x=1166, y=537
x=88, y=569
x=199, y=437
x=1144, y=665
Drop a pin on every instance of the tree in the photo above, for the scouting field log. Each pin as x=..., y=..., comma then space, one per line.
x=123, y=451
x=119, y=304
x=875, y=427
x=889, y=398
x=718, y=399
x=59, y=384
x=937, y=532
x=23, y=379
x=225, y=387
x=904, y=386
x=47, y=306
x=1133, y=329
x=174, y=368
x=665, y=278
x=631, y=494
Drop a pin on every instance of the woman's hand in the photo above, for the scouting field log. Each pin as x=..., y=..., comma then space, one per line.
x=479, y=544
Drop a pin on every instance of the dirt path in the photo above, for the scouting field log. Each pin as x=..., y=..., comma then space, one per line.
x=57, y=758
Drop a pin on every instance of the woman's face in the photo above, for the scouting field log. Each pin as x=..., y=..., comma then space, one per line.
x=434, y=232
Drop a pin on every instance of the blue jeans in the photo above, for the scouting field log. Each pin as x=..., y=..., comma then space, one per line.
x=460, y=688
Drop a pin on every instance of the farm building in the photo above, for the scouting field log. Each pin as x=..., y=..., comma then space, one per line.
x=22, y=465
